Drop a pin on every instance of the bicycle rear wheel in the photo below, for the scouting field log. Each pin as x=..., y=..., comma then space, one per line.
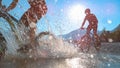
x=97, y=44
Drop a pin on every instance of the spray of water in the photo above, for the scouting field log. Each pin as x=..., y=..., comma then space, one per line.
x=48, y=45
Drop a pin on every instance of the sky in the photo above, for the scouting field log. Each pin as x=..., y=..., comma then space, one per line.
x=64, y=16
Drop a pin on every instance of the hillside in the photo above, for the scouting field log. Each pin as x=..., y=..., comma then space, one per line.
x=104, y=35
x=117, y=28
x=76, y=34
x=111, y=36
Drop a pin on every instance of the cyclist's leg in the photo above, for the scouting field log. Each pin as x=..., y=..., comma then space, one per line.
x=95, y=32
x=89, y=28
x=97, y=39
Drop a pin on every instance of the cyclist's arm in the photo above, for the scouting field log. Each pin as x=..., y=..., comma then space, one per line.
x=12, y=5
x=83, y=22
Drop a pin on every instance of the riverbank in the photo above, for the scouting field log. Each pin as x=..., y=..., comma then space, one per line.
x=111, y=48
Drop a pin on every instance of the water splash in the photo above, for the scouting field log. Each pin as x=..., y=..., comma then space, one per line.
x=49, y=45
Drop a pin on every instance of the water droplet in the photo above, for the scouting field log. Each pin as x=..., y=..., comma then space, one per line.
x=110, y=40
x=30, y=56
x=108, y=65
x=91, y=56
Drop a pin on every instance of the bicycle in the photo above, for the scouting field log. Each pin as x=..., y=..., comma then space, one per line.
x=3, y=47
x=14, y=23
x=38, y=40
x=87, y=41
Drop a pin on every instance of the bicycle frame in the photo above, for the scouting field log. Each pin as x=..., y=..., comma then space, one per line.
x=3, y=46
x=11, y=21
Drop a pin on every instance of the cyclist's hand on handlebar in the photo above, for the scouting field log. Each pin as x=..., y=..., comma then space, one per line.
x=81, y=28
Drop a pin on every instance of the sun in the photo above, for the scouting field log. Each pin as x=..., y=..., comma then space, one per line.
x=76, y=13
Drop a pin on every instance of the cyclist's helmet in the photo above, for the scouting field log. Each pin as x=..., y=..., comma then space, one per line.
x=87, y=10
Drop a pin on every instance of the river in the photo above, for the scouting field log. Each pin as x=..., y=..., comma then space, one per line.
x=80, y=60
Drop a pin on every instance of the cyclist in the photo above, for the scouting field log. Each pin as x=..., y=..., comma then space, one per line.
x=37, y=9
x=93, y=24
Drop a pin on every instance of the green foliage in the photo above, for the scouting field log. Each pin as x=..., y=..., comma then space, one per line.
x=106, y=35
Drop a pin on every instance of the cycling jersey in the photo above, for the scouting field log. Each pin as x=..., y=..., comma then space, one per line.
x=37, y=9
x=39, y=6
x=91, y=19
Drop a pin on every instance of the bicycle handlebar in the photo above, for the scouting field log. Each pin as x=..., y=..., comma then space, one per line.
x=82, y=28
x=5, y=14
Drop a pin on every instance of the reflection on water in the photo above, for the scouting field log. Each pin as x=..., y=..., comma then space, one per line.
x=73, y=63
x=78, y=62
x=81, y=61
x=43, y=63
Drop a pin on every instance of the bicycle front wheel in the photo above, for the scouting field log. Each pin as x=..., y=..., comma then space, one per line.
x=85, y=44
